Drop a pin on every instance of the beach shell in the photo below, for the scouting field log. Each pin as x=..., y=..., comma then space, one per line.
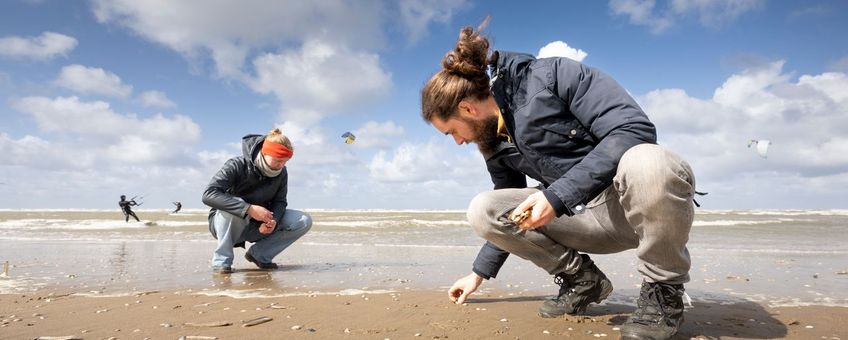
x=257, y=321
x=518, y=218
x=208, y=324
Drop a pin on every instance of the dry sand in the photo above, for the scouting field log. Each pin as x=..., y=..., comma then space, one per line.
x=423, y=314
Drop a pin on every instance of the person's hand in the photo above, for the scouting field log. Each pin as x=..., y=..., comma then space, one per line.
x=541, y=214
x=259, y=213
x=463, y=287
x=268, y=227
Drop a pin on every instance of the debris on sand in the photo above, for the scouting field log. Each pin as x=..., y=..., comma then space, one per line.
x=257, y=321
x=208, y=324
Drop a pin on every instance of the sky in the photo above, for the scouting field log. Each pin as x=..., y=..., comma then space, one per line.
x=149, y=98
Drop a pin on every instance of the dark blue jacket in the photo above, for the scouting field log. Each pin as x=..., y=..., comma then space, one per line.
x=570, y=125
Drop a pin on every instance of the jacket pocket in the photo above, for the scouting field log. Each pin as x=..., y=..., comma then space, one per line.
x=570, y=131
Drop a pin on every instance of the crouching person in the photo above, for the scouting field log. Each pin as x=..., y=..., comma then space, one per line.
x=248, y=201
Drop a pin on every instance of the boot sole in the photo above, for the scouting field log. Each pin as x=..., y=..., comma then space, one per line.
x=635, y=337
x=631, y=336
x=606, y=290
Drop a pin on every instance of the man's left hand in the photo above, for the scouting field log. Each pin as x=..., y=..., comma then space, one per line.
x=267, y=228
x=542, y=213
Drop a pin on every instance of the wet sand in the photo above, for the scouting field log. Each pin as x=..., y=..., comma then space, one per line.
x=424, y=314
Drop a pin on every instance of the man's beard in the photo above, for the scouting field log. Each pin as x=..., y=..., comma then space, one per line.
x=485, y=133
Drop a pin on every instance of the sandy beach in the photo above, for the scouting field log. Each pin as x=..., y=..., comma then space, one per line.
x=397, y=315
x=384, y=275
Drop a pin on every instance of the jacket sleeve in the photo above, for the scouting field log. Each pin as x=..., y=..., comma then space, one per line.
x=504, y=177
x=280, y=201
x=489, y=261
x=217, y=193
x=612, y=117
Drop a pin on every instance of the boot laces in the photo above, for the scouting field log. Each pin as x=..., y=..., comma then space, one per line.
x=566, y=286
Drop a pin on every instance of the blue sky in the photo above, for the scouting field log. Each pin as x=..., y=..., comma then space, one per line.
x=102, y=98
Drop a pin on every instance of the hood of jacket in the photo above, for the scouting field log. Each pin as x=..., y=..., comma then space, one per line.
x=251, y=145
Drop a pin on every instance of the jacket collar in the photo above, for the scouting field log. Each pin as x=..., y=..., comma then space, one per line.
x=505, y=75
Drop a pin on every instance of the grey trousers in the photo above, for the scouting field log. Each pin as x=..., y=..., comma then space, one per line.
x=648, y=207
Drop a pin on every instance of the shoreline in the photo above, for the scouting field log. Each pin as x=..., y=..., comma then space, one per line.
x=386, y=275
x=413, y=314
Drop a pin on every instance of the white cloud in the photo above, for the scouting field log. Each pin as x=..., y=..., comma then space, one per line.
x=415, y=15
x=312, y=146
x=376, y=134
x=830, y=84
x=99, y=186
x=427, y=162
x=316, y=58
x=561, y=49
x=840, y=65
x=640, y=12
x=716, y=13
x=33, y=152
x=123, y=138
x=319, y=78
x=84, y=155
x=710, y=13
x=229, y=30
x=92, y=80
x=430, y=175
x=804, y=119
x=155, y=99
x=43, y=47
x=747, y=91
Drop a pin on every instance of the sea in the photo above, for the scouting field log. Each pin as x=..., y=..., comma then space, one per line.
x=772, y=257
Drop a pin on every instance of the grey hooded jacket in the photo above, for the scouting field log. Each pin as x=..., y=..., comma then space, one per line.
x=240, y=178
x=570, y=125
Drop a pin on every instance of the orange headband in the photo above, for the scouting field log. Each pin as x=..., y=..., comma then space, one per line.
x=276, y=150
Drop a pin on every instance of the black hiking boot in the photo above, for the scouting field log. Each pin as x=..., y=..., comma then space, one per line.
x=222, y=269
x=261, y=265
x=578, y=290
x=658, y=315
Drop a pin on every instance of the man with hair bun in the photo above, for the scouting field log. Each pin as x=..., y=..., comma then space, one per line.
x=248, y=201
x=606, y=186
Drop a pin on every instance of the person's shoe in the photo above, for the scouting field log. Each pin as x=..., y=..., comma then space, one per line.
x=658, y=315
x=261, y=265
x=222, y=269
x=577, y=291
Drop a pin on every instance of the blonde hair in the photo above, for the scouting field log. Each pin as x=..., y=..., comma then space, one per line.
x=463, y=75
x=277, y=136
